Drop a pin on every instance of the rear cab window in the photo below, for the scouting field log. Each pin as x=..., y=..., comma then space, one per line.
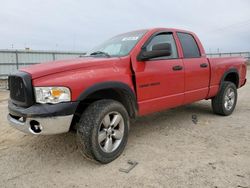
x=189, y=46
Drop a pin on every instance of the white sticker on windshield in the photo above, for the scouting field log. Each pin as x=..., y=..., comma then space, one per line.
x=130, y=38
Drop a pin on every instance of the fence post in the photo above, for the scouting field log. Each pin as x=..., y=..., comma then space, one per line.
x=17, y=64
x=53, y=56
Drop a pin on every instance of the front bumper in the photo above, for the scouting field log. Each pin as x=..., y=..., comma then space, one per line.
x=42, y=126
x=42, y=119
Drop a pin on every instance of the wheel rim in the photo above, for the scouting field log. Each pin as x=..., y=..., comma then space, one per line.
x=229, y=99
x=111, y=131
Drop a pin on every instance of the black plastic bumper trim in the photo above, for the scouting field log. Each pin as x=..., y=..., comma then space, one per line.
x=43, y=110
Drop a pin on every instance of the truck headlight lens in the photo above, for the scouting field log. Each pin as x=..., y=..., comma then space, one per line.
x=52, y=95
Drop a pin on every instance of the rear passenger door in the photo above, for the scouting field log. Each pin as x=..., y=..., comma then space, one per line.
x=197, y=71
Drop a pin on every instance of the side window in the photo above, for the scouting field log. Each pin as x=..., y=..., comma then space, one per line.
x=164, y=38
x=189, y=45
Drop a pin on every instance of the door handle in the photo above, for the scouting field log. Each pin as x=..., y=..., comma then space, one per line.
x=177, y=68
x=203, y=65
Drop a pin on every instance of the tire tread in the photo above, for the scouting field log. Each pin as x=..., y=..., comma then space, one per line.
x=85, y=127
x=218, y=100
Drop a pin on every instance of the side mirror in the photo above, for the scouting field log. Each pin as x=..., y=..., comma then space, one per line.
x=158, y=50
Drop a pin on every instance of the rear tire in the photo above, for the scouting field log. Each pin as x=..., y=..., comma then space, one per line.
x=225, y=101
x=102, y=131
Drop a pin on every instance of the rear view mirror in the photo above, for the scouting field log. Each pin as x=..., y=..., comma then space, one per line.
x=158, y=50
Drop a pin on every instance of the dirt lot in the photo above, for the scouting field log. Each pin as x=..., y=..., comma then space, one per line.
x=171, y=150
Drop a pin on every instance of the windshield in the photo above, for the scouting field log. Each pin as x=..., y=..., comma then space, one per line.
x=119, y=45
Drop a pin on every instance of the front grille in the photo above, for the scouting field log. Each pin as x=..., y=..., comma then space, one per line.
x=21, y=90
x=17, y=89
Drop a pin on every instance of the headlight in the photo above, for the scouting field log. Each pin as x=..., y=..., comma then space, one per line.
x=52, y=94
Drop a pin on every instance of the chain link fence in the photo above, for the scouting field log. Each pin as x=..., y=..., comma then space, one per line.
x=230, y=54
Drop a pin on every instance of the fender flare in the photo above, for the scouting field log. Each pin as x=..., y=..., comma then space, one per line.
x=231, y=70
x=120, y=86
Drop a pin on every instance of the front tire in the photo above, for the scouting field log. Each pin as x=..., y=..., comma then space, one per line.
x=102, y=131
x=225, y=101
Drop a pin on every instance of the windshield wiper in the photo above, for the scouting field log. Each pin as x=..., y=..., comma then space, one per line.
x=100, y=52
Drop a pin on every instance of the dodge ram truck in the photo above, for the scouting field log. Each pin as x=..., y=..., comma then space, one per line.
x=129, y=75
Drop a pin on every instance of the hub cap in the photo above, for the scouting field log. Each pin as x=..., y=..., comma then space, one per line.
x=229, y=99
x=111, y=132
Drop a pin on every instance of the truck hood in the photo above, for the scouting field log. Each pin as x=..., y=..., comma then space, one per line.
x=53, y=67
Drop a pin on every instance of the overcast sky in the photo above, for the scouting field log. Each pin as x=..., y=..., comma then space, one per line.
x=81, y=25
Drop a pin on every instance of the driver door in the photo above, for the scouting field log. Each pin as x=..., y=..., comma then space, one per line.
x=160, y=81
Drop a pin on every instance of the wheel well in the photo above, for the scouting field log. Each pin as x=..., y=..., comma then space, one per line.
x=232, y=77
x=122, y=96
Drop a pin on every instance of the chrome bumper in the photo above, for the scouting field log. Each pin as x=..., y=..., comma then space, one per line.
x=46, y=125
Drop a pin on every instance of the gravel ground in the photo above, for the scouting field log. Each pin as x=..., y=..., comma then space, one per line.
x=171, y=150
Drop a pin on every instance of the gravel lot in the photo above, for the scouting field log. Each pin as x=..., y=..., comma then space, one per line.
x=171, y=151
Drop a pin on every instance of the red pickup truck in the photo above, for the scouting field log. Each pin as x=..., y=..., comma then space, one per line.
x=130, y=75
